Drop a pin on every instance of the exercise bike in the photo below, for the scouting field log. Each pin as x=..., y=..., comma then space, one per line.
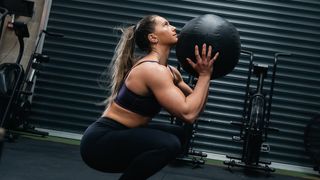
x=16, y=85
x=254, y=127
x=3, y=14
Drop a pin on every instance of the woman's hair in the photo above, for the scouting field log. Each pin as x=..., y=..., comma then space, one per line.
x=124, y=58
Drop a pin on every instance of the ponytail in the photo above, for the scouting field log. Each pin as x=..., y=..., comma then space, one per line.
x=122, y=61
x=124, y=58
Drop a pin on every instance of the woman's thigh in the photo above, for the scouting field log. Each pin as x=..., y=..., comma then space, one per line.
x=178, y=131
x=115, y=150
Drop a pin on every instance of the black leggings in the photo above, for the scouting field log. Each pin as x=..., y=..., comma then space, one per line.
x=139, y=153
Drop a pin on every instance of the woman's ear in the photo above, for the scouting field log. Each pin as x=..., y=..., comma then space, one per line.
x=153, y=38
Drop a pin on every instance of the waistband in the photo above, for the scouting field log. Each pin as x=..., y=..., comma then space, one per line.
x=110, y=122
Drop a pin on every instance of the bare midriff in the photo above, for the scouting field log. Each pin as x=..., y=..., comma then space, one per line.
x=124, y=116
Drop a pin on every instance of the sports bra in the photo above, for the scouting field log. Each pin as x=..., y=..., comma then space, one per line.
x=143, y=105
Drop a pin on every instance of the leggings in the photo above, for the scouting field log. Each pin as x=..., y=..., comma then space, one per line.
x=139, y=153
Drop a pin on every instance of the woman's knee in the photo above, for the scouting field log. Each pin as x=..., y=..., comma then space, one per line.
x=172, y=144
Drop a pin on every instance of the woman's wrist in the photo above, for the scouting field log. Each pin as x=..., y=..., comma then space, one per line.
x=208, y=76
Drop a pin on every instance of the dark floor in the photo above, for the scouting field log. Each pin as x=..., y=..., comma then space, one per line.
x=30, y=159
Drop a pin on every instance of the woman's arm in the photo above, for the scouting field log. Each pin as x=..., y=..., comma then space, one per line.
x=178, y=80
x=173, y=99
x=159, y=80
x=185, y=88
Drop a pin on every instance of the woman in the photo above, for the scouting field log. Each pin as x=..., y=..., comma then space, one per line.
x=121, y=140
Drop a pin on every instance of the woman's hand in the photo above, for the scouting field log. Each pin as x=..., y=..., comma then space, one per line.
x=204, y=64
x=178, y=81
x=177, y=77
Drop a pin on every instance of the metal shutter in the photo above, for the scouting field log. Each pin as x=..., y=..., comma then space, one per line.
x=67, y=90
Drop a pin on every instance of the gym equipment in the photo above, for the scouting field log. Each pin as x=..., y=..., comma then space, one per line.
x=11, y=76
x=254, y=127
x=223, y=37
x=18, y=7
x=311, y=141
x=215, y=31
x=3, y=14
x=19, y=104
x=17, y=84
x=24, y=102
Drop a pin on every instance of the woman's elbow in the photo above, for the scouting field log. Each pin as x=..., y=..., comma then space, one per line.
x=186, y=114
x=189, y=118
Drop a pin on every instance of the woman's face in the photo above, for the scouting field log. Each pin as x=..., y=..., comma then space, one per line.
x=165, y=33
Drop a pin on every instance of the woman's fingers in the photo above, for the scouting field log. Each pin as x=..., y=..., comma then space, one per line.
x=209, y=53
x=214, y=58
x=204, y=50
x=205, y=56
x=196, y=53
x=193, y=65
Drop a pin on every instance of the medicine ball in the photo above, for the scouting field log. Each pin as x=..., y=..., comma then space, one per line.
x=212, y=30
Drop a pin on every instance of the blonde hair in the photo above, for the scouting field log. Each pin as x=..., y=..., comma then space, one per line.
x=122, y=61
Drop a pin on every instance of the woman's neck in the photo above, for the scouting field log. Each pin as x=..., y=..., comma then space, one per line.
x=161, y=54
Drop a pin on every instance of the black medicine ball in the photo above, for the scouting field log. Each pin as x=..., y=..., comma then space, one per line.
x=215, y=31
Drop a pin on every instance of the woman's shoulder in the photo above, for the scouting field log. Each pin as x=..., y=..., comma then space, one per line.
x=152, y=71
x=150, y=65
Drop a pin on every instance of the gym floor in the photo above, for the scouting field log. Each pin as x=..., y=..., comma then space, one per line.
x=50, y=158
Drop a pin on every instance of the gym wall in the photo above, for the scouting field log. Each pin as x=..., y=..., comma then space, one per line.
x=67, y=91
